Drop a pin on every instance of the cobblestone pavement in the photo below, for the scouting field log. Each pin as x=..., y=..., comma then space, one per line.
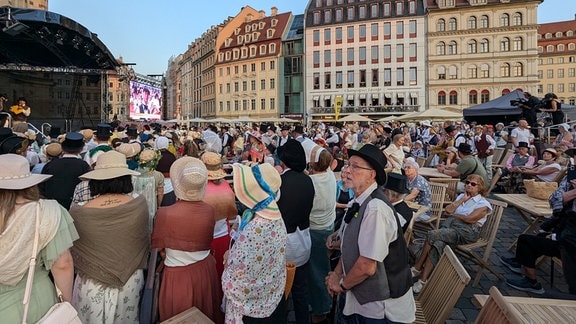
x=511, y=226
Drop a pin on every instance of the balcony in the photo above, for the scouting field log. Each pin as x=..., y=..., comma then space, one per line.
x=368, y=110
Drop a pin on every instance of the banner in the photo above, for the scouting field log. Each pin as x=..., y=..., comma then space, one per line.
x=337, y=106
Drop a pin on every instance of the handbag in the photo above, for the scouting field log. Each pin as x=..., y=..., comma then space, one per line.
x=540, y=190
x=62, y=312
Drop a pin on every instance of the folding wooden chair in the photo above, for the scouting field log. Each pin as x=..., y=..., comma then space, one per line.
x=497, y=156
x=438, y=194
x=498, y=310
x=485, y=241
x=410, y=228
x=495, y=178
x=451, y=191
x=445, y=285
x=421, y=161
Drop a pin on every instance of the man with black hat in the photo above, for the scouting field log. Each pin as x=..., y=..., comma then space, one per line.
x=295, y=204
x=65, y=171
x=132, y=133
x=373, y=274
x=101, y=137
x=395, y=189
x=12, y=143
x=469, y=164
x=285, y=135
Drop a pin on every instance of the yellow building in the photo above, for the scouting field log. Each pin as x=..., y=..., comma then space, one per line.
x=479, y=50
x=247, y=71
x=32, y=4
x=557, y=62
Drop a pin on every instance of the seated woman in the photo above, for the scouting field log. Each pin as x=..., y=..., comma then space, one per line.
x=514, y=165
x=565, y=136
x=395, y=154
x=547, y=170
x=467, y=215
x=418, y=186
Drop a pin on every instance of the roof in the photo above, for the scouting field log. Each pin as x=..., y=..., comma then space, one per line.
x=498, y=106
x=560, y=26
x=47, y=39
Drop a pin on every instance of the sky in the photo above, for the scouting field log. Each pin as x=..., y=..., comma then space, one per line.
x=149, y=32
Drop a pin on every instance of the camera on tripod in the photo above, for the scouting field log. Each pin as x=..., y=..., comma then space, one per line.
x=516, y=102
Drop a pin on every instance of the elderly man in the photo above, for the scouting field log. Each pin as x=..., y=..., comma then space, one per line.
x=395, y=189
x=485, y=146
x=468, y=165
x=373, y=273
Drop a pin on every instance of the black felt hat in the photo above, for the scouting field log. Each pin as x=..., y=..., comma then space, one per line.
x=449, y=129
x=299, y=129
x=285, y=127
x=293, y=155
x=103, y=131
x=375, y=158
x=73, y=141
x=465, y=148
x=397, y=182
x=55, y=131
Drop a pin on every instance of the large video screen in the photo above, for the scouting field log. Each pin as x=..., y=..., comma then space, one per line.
x=145, y=101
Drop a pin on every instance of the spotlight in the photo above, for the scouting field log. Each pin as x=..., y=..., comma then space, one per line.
x=15, y=28
x=76, y=42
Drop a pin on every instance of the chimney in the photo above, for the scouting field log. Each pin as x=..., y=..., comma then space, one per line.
x=261, y=14
x=248, y=17
x=273, y=11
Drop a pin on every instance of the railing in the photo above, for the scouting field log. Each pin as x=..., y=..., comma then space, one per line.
x=367, y=109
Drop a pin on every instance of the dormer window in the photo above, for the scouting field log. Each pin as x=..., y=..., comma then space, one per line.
x=273, y=22
x=244, y=52
x=237, y=31
x=263, y=49
x=228, y=55
x=240, y=39
x=559, y=34
x=255, y=36
x=253, y=51
x=247, y=28
x=270, y=33
x=272, y=48
x=248, y=38
x=228, y=42
x=261, y=25
x=548, y=35
x=220, y=57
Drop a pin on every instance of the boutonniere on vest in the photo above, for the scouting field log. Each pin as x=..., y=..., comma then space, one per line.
x=352, y=212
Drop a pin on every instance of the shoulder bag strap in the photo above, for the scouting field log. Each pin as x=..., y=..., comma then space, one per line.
x=31, y=269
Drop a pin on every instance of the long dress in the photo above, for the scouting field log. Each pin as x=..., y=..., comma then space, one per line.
x=185, y=230
x=43, y=292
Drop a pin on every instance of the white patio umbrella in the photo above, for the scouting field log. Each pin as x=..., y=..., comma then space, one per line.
x=355, y=117
x=388, y=118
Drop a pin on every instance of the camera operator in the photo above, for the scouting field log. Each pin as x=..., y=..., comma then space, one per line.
x=529, y=110
x=552, y=105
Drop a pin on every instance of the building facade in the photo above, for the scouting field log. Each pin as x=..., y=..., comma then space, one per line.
x=174, y=87
x=479, y=50
x=291, y=71
x=32, y=4
x=557, y=62
x=369, y=54
x=247, y=71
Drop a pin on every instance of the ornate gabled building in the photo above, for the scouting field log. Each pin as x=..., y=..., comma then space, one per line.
x=370, y=56
x=247, y=65
x=479, y=50
x=557, y=62
x=174, y=88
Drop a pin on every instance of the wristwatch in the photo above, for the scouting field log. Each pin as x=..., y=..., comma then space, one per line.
x=342, y=285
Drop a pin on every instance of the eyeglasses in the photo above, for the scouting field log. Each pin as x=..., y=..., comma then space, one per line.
x=354, y=167
x=473, y=184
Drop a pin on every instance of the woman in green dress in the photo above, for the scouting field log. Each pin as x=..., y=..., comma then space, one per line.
x=19, y=198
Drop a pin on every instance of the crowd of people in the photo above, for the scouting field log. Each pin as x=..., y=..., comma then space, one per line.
x=230, y=209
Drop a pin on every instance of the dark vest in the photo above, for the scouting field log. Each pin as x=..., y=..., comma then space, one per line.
x=296, y=200
x=392, y=278
x=481, y=146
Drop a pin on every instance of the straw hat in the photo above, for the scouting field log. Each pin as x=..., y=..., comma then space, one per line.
x=129, y=149
x=189, y=177
x=249, y=192
x=15, y=173
x=53, y=149
x=87, y=134
x=213, y=163
x=109, y=165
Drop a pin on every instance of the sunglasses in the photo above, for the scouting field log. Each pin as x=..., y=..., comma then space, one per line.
x=473, y=184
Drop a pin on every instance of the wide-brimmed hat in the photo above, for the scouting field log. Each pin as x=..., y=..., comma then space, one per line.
x=109, y=165
x=87, y=133
x=189, y=177
x=426, y=123
x=161, y=143
x=375, y=158
x=213, y=162
x=53, y=149
x=551, y=151
x=293, y=155
x=449, y=129
x=256, y=135
x=129, y=149
x=13, y=144
x=73, y=141
x=15, y=173
x=465, y=148
x=397, y=182
x=249, y=190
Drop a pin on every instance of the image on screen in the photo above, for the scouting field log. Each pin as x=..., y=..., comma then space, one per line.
x=145, y=101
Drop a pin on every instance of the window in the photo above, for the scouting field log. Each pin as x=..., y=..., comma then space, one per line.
x=362, y=12
x=441, y=98
x=571, y=72
x=374, y=10
x=540, y=74
x=484, y=22
x=473, y=97
x=328, y=16
x=272, y=65
x=362, y=54
x=387, y=9
x=441, y=25
x=399, y=8
x=560, y=47
x=550, y=88
x=400, y=52
x=550, y=73
x=484, y=96
x=453, y=97
x=453, y=72
x=452, y=48
x=505, y=44
x=244, y=85
x=412, y=28
x=413, y=76
x=350, y=13
x=572, y=87
x=244, y=68
x=472, y=22
x=350, y=77
x=327, y=35
x=262, y=104
x=236, y=105
x=272, y=83
x=244, y=104
x=362, y=32
x=316, y=80
x=452, y=25
x=272, y=48
x=441, y=73
x=227, y=105
x=387, y=31
x=412, y=7
x=253, y=67
x=272, y=103
x=413, y=52
x=505, y=70
x=561, y=87
x=484, y=71
x=338, y=79
x=338, y=35
x=339, y=57
x=263, y=64
x=441, y=48
x=350, y=56
x=227, y=87
x=387, y=77
x=374, y=31
x=253, y=85
x=517, y=44
x=505, y=91
x=399, y=29
x=236, y=86
x=350, y=34
x=263, y=84
x=387, y=53
x=517, y=19
x=327, y=57
x=374, y=77
x=400, y=76
x=316, y=18
x=362, y=78
x=339, y=15
x=472, y=46
x=484, y=46
x=316, y=59
x=505, y=20
x=253, y=104
x=518, y=69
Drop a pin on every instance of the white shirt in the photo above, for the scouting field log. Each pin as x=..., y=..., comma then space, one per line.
x=521, y=135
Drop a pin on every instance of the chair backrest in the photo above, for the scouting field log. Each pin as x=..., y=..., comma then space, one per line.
x=490, y=227
x=410, y=227
x=429, y=160
x=495, y=177
x=437, y=195
x=452, y=190
x=498, y=310
x=558, y=178
x=444, y=287
x=421, y=161
x=507, y=155
x=497, y=156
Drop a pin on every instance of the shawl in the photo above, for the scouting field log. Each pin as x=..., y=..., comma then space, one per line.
x=17, y=239
x=113, y=241
x=222, y=198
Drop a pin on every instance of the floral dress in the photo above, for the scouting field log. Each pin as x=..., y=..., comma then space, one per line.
x=424, y=197
x=255, y=275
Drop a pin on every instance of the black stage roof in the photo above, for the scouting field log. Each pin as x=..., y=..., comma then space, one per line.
x=41, y=38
